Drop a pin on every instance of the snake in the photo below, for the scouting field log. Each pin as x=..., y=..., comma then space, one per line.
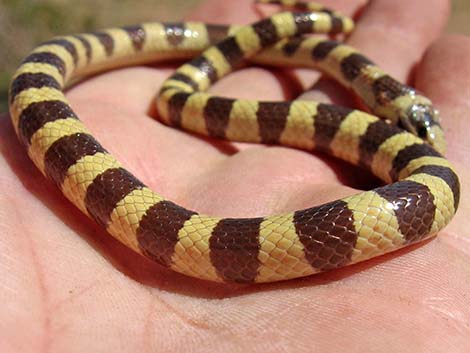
x=397, y=137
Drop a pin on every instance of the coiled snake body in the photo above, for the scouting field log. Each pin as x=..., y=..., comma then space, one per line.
x=420, y=199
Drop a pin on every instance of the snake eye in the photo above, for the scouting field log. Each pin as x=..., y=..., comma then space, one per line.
x=423, y=132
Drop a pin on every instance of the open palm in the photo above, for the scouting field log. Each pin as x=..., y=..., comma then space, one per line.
x=67, y=286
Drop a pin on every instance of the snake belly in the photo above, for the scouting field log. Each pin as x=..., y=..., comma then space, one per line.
x=421, y=198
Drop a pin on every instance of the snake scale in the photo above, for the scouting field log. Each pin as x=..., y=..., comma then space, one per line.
x=403, y=147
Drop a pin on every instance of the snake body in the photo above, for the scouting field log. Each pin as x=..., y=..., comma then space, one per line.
x=421, y=198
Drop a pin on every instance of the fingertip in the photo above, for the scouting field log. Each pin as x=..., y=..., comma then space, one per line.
x=396, y=33
x=458, y=42
x=247, y=11
x=444, y=76
x=444, y=72
x=225, y=12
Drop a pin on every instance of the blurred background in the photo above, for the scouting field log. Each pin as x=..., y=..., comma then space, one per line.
x=24, y=23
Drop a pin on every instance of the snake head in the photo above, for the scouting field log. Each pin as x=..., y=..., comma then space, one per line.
x=422, y=120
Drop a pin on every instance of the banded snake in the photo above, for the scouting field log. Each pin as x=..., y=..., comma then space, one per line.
x=421, y=196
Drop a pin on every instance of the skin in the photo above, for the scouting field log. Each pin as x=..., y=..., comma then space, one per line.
x=67, y=286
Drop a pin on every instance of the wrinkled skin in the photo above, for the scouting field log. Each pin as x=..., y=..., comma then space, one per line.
x=68, y=287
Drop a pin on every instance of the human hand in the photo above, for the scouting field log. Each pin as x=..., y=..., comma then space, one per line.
x=68, y=286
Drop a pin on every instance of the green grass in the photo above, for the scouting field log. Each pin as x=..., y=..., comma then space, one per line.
x=4, y=80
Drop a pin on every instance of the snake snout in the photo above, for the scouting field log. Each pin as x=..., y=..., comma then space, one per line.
x=423, y=121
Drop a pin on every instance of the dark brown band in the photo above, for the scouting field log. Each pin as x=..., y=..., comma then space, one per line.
x=106, y=41
x=303, y=22
x=86, y=44
x=36, y=115
x=47, y=58
x=322, y=49
x=291, y=46
x=32, y=80
x=272, y=119
x=369, y=143
x=446, y=174
x=158, y=230
x=137, y=36
x=327, y=233
x=407, y=154
x=175, y=107
x=66, y=151
x=386, y=89
x=232, y=52
x=336, y=25
x=234, y=248
x=216, y=33
x=206, y=66
x=69, y=46
x=413, y=206
x=266, y=32
x=352, y=65
x=175, y=33
x=106, y=190
x=177, y=76
x=327, y=123
x=217, y=115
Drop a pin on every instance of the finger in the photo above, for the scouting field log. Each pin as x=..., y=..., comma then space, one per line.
x=395, y=34
x=245, y=11
x=392, y=35
x=225, y=12
x=444, y=76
